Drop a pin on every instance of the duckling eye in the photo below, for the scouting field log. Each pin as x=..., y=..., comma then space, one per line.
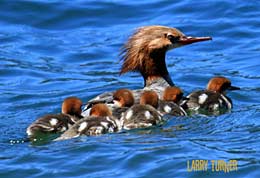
x=116, y=98
x=173, y=39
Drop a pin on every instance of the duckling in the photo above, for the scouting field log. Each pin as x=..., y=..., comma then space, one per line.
x=143, y=115
x=172, y=96
x=99, y=122
x=211, y=101
x=57, y=123
x=122, y=100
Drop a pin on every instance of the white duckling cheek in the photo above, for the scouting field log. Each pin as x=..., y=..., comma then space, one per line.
x=86, y=113
x=117, y=103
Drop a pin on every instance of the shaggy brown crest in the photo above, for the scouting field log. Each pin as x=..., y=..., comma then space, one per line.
x=150, y=98
x=145, y=50
x=72, y=106
x=220, y=84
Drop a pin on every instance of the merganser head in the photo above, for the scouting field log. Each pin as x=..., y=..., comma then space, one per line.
x=100, y=110
x=123, y=98
x=220, y=85
x=72, y=106
x=145, y=51
x=173, y=94
x=149, y=98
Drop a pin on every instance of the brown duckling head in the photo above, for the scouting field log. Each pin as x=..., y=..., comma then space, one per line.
x=220, y=84
x=173, y=94
x=72, y=106
x=149, y=98
x=123, y=98
x=100, y=110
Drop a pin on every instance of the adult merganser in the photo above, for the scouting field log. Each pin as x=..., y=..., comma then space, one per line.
x=212, y=100
x=142, y=115
x=57, y=123
x=145, y=53
x=99, y=122
x=172, y=96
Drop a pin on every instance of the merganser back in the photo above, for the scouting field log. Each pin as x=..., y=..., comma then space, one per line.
x=99, y=122
x=212, y=100
x=145, y=53
x=57, y=123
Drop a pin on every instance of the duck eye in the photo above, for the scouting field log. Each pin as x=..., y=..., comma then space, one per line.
x=173, y=39
x=116, y=98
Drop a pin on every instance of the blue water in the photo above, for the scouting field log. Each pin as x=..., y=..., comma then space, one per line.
x=50, y=50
